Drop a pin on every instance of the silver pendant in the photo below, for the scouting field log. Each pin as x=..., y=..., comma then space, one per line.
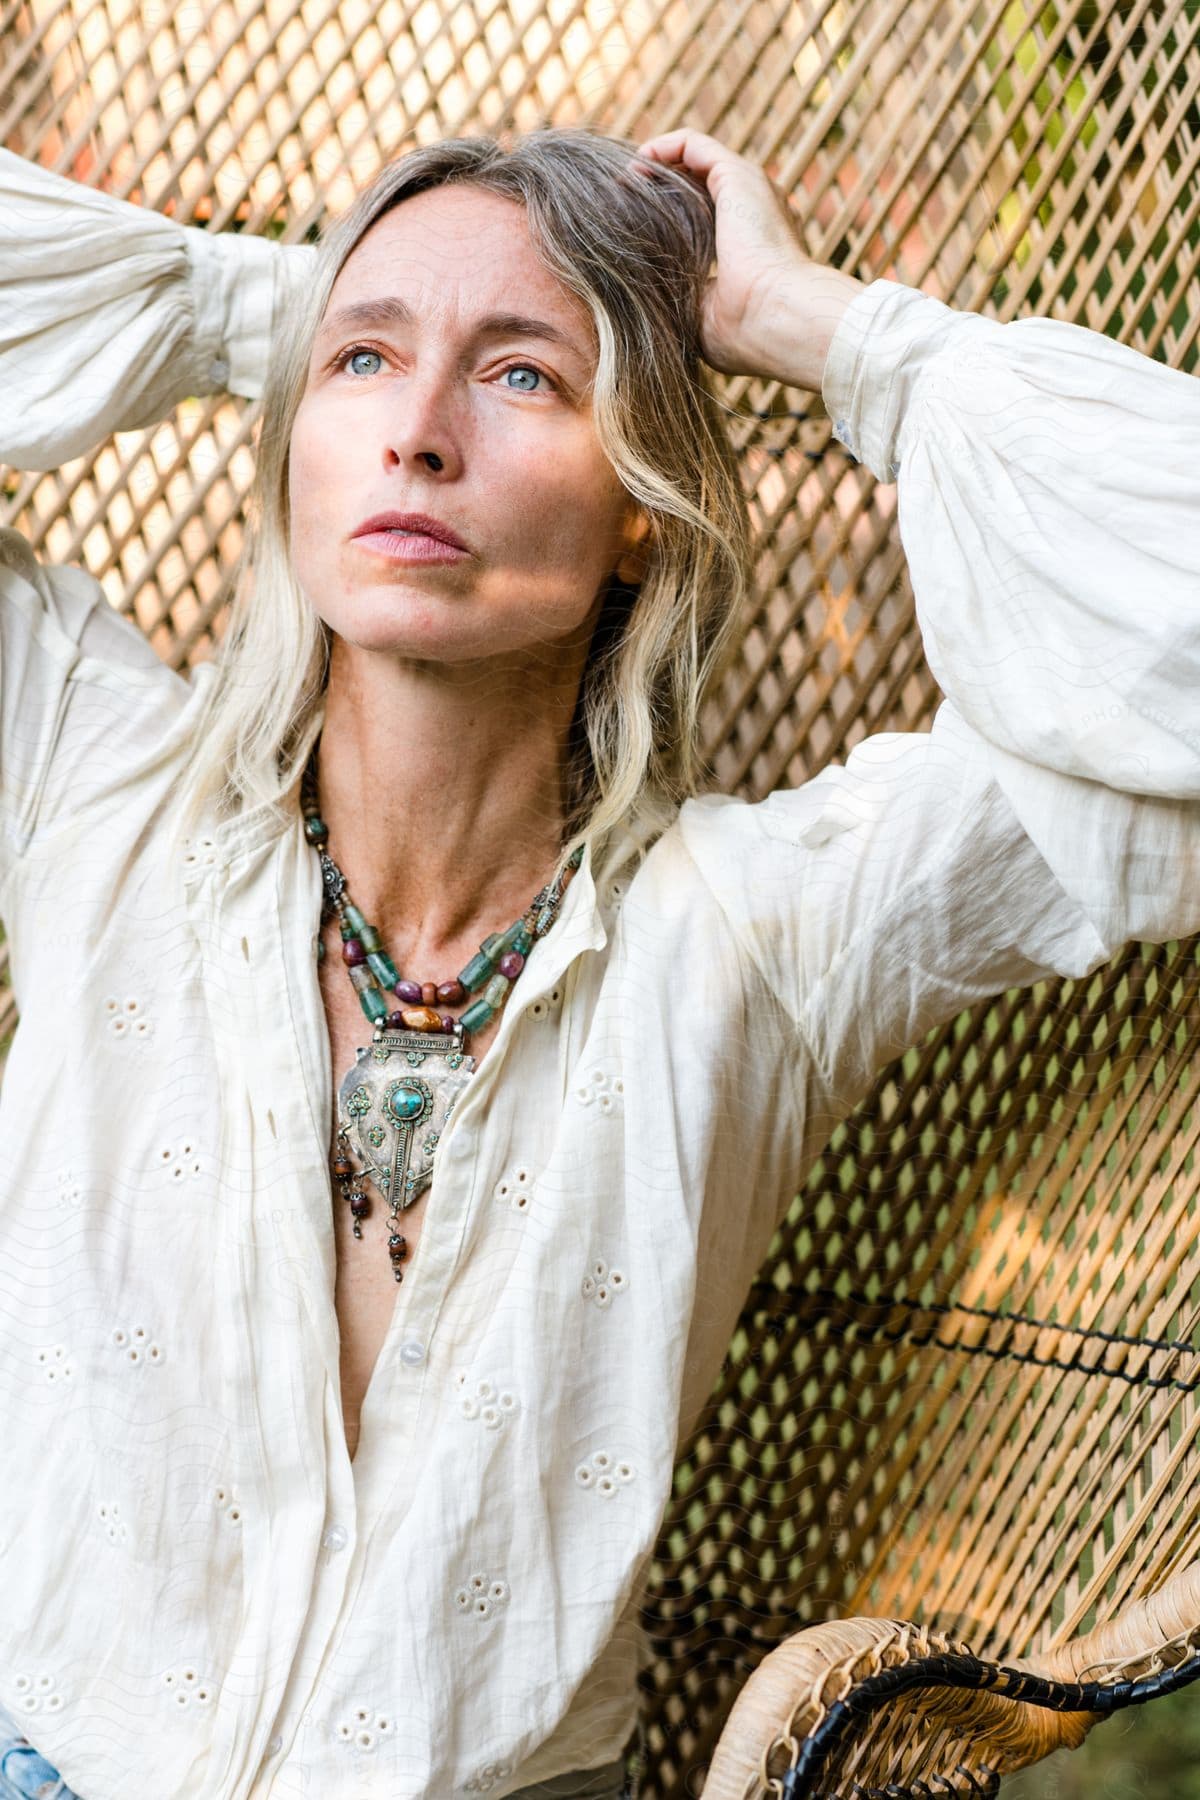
x=394, y=1103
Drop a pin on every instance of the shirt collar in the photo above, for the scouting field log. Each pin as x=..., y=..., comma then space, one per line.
x=578, y=927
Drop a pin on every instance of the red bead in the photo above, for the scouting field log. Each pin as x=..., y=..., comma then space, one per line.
x=511, y=964
x=448, y=1022
x=353, y=952
x=360, y=1204
x=451, y=993
x=429, y=994
x=396, y=1021
x=342, y=1166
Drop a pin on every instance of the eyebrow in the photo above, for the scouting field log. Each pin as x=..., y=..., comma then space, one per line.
x=389, y=309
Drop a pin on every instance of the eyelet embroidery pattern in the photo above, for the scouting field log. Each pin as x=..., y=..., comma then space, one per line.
x=547, y=1005
x=482, y=1596
x=488, y=1776
x=113, y=1525
x=606, y=1092
x=201, y=853
x=36, y=1692
x=605, y=1474
x=188, y=1687
x=54, y=1360
x=490, y=1406
x=135, y=1347
x=228, y=1505
x=515, y=1189
x=127, y=1018
x=601, y=1283
x=71, y=1192
x=181, y=1162
x=363, y=1728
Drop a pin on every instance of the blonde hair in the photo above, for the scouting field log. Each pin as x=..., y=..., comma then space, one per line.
x=637, y=250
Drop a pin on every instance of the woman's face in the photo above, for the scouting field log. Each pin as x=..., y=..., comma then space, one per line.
x=504, y=406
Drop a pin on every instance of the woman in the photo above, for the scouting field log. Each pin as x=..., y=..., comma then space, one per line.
x=336, y=1460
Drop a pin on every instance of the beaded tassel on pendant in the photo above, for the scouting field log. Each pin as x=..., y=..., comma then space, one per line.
x=395, y=1114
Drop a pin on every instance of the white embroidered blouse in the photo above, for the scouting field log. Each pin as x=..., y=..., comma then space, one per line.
x=200, y=1594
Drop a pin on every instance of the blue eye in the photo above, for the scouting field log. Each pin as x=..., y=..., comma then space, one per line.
x=352, y=357
x=524, y=369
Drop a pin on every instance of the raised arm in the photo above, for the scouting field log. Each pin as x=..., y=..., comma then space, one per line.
x=1049, y=504
x=111, y=313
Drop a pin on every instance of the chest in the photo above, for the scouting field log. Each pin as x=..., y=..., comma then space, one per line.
x=366, y=1290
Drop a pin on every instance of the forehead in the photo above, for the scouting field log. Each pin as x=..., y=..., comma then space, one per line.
x=455, y=254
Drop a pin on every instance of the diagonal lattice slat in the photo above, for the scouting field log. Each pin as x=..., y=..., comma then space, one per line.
x=889, y=1433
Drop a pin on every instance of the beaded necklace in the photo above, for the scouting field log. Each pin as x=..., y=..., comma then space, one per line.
x=394, y=1115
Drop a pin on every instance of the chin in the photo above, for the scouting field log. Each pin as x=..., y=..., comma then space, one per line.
x=421, y=634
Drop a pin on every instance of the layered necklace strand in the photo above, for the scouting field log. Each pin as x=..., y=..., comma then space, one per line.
x=394, y=1114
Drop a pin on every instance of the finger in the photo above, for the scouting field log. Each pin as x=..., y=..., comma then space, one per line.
x=694, y=149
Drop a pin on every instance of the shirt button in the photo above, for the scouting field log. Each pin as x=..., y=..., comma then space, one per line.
x=412, y=1352
x=336, y=1538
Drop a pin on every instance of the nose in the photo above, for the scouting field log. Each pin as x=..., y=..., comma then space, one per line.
x=420, y=427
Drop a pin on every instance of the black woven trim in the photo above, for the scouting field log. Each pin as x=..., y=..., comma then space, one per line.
x=983, y=1782
x=913, y=1333
x=961, y=1671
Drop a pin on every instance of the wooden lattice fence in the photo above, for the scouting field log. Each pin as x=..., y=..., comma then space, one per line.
x=916, y=1416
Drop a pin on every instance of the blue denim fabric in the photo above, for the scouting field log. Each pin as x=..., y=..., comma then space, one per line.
x=24, y=1774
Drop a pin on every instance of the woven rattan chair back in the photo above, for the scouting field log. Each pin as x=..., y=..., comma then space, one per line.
x=963, y=1392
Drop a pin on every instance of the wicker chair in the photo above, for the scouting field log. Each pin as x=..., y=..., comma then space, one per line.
x=937, y=1519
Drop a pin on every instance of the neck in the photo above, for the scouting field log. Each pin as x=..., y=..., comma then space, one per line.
x=443, y=790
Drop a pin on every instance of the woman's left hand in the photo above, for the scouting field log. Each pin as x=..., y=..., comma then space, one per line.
x=769, y=309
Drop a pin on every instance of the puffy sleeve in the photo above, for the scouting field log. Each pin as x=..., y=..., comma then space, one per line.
x=1048, y=493
x=111, y=313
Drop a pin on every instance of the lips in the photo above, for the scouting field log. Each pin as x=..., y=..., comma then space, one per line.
x=414, y=523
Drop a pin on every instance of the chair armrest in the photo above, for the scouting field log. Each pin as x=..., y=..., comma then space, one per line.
x=869, y=1705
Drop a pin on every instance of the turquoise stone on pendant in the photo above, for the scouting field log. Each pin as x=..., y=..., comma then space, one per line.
x=408, y=1102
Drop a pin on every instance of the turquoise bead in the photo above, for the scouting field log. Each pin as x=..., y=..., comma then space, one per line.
x=518, y=937
x=477, y=1016
x=315, y=829
x=355, y=920
x=491, y=945
x=383, y=968
x=370, y=938
x=407, y=1103
x=496, y=992
x=481, y=968
x=373, y=1004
